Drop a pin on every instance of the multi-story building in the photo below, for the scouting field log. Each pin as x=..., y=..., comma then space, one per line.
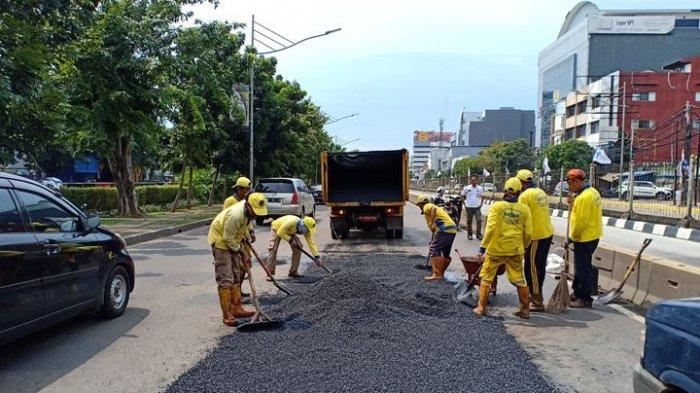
x=424, y=142
x=504, y=124
x=593, y=43
x=463, y=131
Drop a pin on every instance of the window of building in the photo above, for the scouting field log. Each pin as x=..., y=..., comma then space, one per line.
x=595, y=101
x=645, y=96
x=595, y=127
x=643, y=123
x=568, y=134
x=581, y=131
x=697, y=96
x=570, y=110
x=687, y=23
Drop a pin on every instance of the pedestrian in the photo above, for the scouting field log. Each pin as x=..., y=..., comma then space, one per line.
x=542, y=232
x=240, y=190
x=473, y=195
x=444, y=231
x=226, y=238
x=585, y=230
x=508, y=232
x=287, y=228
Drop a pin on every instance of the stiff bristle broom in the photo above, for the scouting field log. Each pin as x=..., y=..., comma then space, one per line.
x=560, y=299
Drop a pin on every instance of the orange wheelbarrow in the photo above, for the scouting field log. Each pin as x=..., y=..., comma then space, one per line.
x=472, y=267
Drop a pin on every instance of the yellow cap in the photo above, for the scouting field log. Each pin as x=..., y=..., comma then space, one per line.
x=422, y=199
x=513, y=185
x=243, y=182
x=258, y=202
x=311, y=224
x=525, y=175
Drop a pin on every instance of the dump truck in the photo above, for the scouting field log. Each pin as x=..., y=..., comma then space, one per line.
x=365, y=190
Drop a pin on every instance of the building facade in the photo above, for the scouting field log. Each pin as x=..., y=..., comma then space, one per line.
x=463, y=131
x=593, y=43
x=504, y=124
x=425, y=142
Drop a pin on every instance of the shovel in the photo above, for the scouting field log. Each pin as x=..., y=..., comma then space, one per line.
x=427, y=260
x=270, y=276
x=464, y=289
x=615, y=293
x=259, y=320
x=318, y=263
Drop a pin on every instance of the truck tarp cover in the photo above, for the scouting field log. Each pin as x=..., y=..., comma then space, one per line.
x=373, y=176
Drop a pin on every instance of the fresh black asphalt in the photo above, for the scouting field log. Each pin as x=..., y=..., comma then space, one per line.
x=373, y=326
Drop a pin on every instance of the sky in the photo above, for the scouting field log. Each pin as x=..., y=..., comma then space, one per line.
x=401, y=66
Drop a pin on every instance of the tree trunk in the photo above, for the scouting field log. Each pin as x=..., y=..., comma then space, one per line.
x=176, y=202
x=213, y=186
x=189, y=191
x=119, y=161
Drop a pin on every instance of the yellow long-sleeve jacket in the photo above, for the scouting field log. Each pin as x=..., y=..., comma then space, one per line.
x=508, y=229
x=438, y=219
x=228, y=228
x=537, y=201
x=586, y=216
x=286, y=226
x=230, y=201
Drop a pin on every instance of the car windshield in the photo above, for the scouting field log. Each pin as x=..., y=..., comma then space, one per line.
x=276, y=186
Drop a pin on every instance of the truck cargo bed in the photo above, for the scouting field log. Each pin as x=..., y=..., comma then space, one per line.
x=366, y=177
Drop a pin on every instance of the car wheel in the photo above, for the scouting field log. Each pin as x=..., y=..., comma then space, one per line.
x=661, y=196
x=303, y=212
x=625, y=195
x=313, y=212
x=260, y=220
x=116, y=293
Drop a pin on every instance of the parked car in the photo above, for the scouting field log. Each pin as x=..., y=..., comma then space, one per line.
x=610, y=193
x=669, y=362
x=286, y=196
x=647, y=189
x=53, y=182
x=489, y=187
x=317, y=192
x=55, y=261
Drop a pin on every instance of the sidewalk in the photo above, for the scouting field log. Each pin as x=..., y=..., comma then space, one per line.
x=160, y=224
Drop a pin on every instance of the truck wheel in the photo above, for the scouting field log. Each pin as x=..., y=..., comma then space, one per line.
x=389, y=233
x=398, y=233
x=333, y=233
x=345, y=233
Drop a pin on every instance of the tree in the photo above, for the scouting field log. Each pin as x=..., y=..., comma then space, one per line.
x=116, y=77
x=498, y=157
x=568, y=154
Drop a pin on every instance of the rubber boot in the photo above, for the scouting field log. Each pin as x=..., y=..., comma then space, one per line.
x=536, y=302
x=437, y=265
x=225, y=303
x=237, y=309
x=484, y=290
x=524, y=297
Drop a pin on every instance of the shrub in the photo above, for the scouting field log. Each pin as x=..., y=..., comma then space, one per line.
x=104, y=199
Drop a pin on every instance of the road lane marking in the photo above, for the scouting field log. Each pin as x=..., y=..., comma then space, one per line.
x=628, y=313
x=620, y=223
x=638, y=226
x=659, y=229
x=684, y=233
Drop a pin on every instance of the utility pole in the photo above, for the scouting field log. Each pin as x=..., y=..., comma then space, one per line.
x=691, y=190
x=686, y=150
x=252, y=97
x=630, y=177
x=622, y=137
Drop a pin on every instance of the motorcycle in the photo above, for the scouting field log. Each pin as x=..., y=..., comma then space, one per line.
x=452, y=204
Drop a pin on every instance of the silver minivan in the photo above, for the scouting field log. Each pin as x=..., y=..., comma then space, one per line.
x=286, y=196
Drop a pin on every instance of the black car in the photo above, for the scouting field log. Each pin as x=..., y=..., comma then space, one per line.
x=55, y=261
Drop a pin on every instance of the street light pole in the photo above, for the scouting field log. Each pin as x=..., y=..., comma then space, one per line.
x=285, y=44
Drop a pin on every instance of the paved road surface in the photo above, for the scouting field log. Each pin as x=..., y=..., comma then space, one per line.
x=173, y=319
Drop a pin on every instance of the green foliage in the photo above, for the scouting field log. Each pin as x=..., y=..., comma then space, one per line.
x=104, y=199
x=569, y=154
x=513, y=155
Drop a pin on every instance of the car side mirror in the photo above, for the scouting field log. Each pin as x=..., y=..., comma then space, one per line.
x=93, y=222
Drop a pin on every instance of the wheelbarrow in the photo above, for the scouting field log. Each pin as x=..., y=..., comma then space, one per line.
x=472, y=266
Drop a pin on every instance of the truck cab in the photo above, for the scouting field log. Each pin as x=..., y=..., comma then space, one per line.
x=365, y=190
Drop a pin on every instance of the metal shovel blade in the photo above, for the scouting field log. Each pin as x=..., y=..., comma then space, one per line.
x=258, y=323
x=608, y=297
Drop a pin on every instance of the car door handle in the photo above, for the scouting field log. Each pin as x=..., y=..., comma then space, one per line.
x=52, y=249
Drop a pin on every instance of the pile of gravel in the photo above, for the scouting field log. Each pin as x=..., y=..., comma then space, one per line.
x=373, y=326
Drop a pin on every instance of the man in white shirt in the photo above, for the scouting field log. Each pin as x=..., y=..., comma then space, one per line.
x=473, y=196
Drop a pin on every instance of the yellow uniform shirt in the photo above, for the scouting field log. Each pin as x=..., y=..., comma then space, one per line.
x=537, y=201
x=438, y=219
x=228, y=228
x=286, y=226
x=508, y=229
x=586, y=216
x=230, y=201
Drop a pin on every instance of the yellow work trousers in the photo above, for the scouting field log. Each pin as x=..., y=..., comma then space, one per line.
x=514, y=269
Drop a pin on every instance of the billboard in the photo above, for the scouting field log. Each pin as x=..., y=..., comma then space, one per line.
x=657, y=24
x=432, y=137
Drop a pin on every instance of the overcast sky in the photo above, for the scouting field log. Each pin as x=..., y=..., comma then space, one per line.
x=403, y=65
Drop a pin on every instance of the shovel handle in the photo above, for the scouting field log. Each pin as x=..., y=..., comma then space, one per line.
x=645, y=244
x=318, y=263
x=267, y=272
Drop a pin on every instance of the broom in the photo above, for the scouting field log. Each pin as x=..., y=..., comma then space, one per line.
x=560, y=299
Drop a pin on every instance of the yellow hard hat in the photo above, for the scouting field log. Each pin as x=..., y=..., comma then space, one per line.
x=422, y=199
x=310, y=223
x=243, y=182
x=525, y=175
x=513, y=185
x=258, y=202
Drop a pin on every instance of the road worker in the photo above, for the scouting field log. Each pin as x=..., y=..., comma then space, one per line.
x=287, y=228
x=585, y=230
x=240, y=190
x=542, y=231
x=226, y=238
x=508, y=232
x=444, y=231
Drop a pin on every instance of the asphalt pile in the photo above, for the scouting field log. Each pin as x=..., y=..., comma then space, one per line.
x=374, y=326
